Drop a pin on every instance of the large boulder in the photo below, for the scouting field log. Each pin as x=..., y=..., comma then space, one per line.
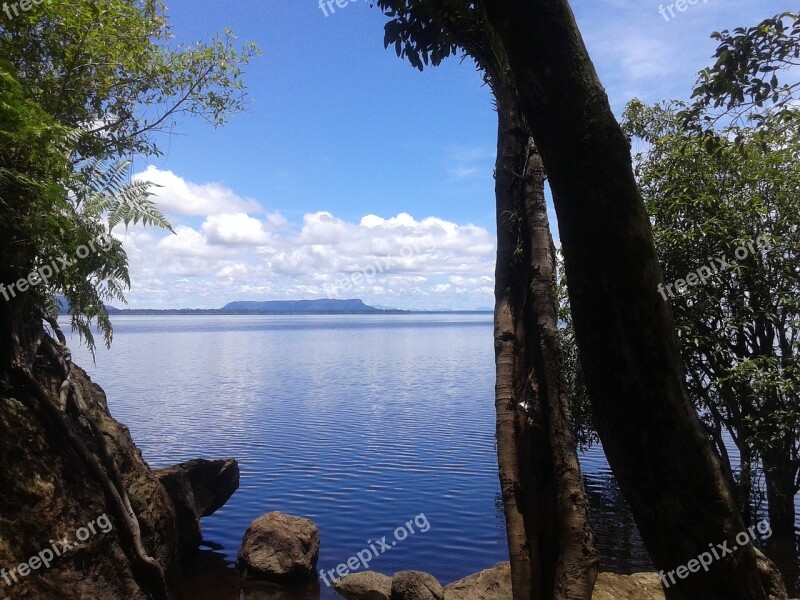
x=198, y=488
x=491, y=584
x=280, y=548
x=416, y=585
x=366, y=585
x=47, y=493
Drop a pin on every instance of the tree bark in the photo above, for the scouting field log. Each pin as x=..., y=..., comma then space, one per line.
x=513, y=435
x=629, y=350
x=578, y=563
x=779, y=474
x=551, y=545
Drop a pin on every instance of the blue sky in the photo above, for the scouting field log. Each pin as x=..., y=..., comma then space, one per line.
x=354, y=175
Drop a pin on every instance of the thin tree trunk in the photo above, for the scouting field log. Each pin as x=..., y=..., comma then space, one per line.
x=745, y=498
x=629, y=350
x=513, y=437
x=577, y=565
x=550, y=541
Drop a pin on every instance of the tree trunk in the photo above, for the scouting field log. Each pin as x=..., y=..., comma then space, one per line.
x=513, y=435
x=745, y=491
x=577, y=565
x=629, y=350
x=550, y=541
x=779, y=474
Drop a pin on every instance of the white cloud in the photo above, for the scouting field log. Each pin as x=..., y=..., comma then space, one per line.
x=178, y=196
x=232, y=255
x=235, y=229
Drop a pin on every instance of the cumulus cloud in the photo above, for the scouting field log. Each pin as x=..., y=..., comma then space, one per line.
x=177, y=196
x=240, y=254
x=235, y=229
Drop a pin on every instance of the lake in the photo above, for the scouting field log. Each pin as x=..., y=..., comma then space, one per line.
x=359, y=423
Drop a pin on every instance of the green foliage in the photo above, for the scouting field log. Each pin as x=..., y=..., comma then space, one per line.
x=105, y=188
x=417, y=32
x=717, y=174
x=429, y=31
x=754, y=77
x=84, y=86
x=572, y=372
x=740, y=330
x=106, y=66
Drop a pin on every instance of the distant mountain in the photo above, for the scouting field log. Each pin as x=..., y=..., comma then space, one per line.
x=63, y=306
x=300, y=306
x=285, y=307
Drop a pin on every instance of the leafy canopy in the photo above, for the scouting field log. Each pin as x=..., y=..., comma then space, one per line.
x=85, y=85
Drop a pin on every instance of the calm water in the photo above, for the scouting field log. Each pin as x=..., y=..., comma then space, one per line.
x=358, y=423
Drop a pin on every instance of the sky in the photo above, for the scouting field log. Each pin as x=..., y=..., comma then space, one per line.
x=353, y=175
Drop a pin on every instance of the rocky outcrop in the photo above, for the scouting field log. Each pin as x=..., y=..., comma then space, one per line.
x=49, y=500
x=366, y=585
x=198, y=488
x=416, y=585
x=280, y=548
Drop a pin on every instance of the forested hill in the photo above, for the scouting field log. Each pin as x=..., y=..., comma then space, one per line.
x=300, y=306
x=308, y=307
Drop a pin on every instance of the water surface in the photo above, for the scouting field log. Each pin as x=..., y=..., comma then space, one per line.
x=359, y=423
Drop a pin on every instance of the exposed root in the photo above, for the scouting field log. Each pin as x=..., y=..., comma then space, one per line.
x=108, y=474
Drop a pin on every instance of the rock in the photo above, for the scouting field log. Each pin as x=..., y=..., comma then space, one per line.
x=280, y=548
x=495, y=584
x=639, y=586
x=366, y=585
x=416, y=585
x=47, y=493
x=198, y=488
x=491, y=584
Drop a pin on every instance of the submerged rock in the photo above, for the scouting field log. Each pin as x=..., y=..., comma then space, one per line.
x=366, y=585
x=280, y=548
x=416, y=585
x=198, y=488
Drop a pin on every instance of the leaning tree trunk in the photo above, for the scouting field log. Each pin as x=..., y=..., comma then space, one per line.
x=629, y=350
x=551, y=545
